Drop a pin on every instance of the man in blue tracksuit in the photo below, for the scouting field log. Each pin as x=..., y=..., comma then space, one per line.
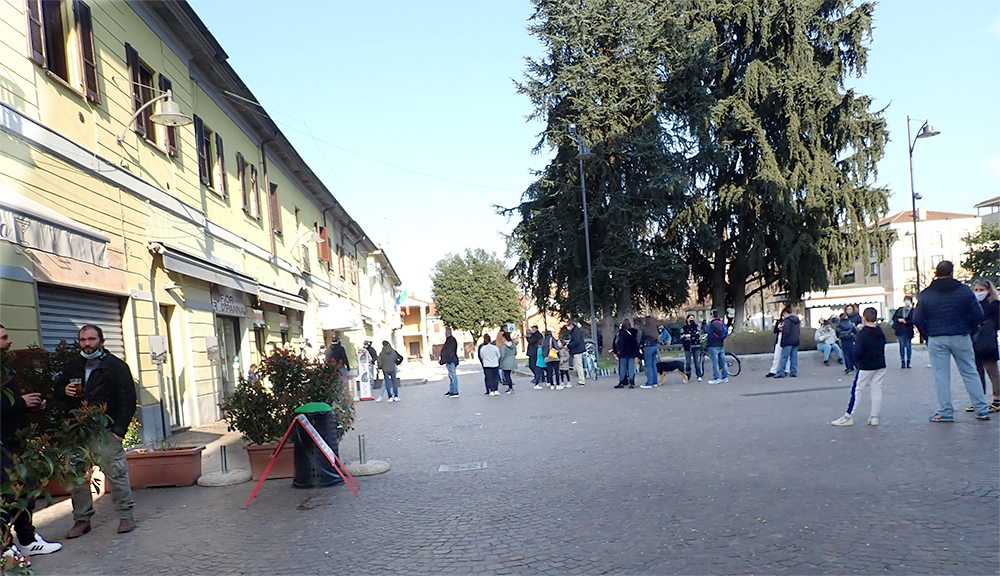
x=947, y=313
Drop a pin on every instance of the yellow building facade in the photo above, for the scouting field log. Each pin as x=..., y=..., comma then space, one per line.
x=192, y=246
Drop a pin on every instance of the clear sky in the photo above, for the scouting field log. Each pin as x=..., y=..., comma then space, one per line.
x=409, y=113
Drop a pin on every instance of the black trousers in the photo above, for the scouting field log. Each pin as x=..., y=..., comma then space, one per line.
x=19, y=520
x=492, y=379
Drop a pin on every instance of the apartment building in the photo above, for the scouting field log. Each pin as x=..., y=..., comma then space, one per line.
x=144, y=190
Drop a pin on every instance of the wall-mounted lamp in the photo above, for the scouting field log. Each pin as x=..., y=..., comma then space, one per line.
x=171, y=286
x=169, y=115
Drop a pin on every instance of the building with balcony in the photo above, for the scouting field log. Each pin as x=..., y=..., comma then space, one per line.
x=205, y=241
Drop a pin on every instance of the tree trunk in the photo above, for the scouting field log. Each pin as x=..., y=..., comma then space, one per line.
x=625, y=302
x=719, y=281
x=739, y=304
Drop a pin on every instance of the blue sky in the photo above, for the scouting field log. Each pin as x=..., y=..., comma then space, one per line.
x=409, y=113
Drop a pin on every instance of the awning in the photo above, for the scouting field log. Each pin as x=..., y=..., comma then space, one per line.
x=203, y=269
x=281, y=298
x=338, y=314
x=27, y=223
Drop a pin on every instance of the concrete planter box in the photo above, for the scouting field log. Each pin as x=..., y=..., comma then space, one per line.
x=171, y=467
x=260, y=455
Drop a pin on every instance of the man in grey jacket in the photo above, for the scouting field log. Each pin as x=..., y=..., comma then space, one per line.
x=947, y=313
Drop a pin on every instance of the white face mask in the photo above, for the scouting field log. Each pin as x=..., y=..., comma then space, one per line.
x=981, y=295
x=907, y=303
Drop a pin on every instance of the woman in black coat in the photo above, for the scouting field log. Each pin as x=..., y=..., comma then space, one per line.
x=985, y=338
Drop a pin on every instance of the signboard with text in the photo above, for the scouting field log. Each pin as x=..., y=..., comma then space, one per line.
x=228, y=301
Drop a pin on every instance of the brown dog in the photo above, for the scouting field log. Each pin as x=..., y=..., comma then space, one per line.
x=664, y=368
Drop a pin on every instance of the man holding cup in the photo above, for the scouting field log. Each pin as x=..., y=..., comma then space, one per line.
x=99, y=377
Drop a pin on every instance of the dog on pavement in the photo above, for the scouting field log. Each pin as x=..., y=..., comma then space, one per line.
x=664, y=368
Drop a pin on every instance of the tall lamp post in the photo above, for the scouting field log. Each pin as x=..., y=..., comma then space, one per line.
x=584, y=153
x=926, y=131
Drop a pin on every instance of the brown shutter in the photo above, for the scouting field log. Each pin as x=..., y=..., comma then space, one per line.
x=275, y=207
x=36, y=40
x=132, y=59
x=323, y=250
x=223, y=187
x=165, y=85
x=241, y=173
x=199, y=138
x=85, y=30
x=255, y=190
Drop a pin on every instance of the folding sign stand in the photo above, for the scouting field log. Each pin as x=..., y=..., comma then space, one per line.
x=323, y=446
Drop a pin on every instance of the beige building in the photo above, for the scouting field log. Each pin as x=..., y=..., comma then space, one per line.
x=193, y=237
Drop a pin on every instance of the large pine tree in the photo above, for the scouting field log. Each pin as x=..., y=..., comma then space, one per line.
x=781, y=154
x=600, y=72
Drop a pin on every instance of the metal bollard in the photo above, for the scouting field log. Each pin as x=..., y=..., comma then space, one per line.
x=361, y=448
x=222, y=453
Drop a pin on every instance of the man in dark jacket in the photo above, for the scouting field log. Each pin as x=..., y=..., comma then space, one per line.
x=14, y=408
x=337, y=355
x=948, y=313
x=847, y=332
x=449, y=357
x=99, y=377
x=791, y=327
x=626, y=347
x=576, y=349
x=533, y=341
x=902, y=325
x=716, y=345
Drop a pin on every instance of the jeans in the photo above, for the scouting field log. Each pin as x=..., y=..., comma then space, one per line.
x=551, y=372
x=390, y=380
x=506, y=379
x=905, y=350
x=452, y=378
x=691, y=356
x=789, y=354
x=848, y=346
x=717, y=355
x=115, y=468
x=649, y=358
x=941, y=349
x=626, y=369
x=827, y=348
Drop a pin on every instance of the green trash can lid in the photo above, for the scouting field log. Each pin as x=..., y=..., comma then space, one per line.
x=312, y=407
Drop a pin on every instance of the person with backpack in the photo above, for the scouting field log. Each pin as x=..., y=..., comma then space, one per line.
x=790, y=330
x=717, y=332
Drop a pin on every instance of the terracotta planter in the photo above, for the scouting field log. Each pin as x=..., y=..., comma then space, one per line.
x=56, y=488
x=172, y=467
x=260, y=455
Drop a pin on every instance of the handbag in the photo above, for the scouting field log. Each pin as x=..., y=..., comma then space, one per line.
x=984, y=342
x=553, y=353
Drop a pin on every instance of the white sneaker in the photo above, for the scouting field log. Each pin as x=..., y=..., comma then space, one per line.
x=569, y=385
x=538, y=386
x=552, y=386
x=725, y=379
x=560, y=387
x=714, y=381
x=395, y=398
x=699, y=378
x=845, y=420
x=873, y=421
x=379, y=399
x=40, y=546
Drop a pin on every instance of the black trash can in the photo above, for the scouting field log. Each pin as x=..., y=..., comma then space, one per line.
x=312, y=469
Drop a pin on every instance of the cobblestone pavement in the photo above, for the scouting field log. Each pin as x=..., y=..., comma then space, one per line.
x=744, y=477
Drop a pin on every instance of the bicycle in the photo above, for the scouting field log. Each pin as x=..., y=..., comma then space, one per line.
x=732, y=362
x=590, y=360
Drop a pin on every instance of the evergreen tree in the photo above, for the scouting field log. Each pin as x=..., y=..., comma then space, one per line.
x=474, y=293
x=780, y=155
x=600, y=72
x=983, y=260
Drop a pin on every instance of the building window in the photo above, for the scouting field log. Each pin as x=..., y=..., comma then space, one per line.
x=203, y=135
x=220, y=166
x=169, y=132
x=255, y=191
x=241, y=174
x=848, y=277
x=936, y=259
x=910, y=289
x=141, y=77
x=323, y=246
x=874, y=269
x=274, y=207
x=61, y=40
x=908, y=242
x=909, y=264
x=937, y=241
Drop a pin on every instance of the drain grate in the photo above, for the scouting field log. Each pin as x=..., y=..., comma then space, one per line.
x=466, y=467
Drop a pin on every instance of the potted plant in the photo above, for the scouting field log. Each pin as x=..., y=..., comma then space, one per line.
x=262, y=408
x=165, y=465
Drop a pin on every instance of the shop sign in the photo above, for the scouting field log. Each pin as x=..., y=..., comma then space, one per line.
x=228, y=301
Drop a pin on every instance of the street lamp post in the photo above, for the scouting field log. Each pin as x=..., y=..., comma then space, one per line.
x=926, y=131
x=584, y=153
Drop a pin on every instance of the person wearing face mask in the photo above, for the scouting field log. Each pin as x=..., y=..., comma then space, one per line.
x=98, y=377
x=984, y=341
x=902, y=325
x=947, y=312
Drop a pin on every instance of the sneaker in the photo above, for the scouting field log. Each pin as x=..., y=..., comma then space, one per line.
x=714, y=381
x=569, y=385
x=621, y=385
x=794, y=375
x=873, y=421
x=699, y=378
x=647, y=386
x=379, y=399
x=826, y=362
x=994, y=407
x=560, y=387
x=538, y=386
x=509, y=391
x=448, y=393
x=452, y=394
x=848, y=371
x=769, y=375
x=727, y=379
x=552, y=386
x=40, y=546
x=776, y=376
x=14, y=559
x=395, y=398
x=983, y=416
x=845, y=420
x=940, y=418
x=970, y=409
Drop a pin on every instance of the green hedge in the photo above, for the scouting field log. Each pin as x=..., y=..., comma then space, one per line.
x=763, y=342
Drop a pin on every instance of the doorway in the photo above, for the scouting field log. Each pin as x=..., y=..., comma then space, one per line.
x=228, y=330
x=173, y=401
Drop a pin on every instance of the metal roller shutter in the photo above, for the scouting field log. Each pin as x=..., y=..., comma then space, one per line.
x=63, y=312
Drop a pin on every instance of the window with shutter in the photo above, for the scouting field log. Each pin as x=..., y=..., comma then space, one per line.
x=171, y=131
x=85, y=33
x=199, y=139
x=36, y=38
x=274, y=205
x=208, y=169
x=340, y=260
x=223, y=188
x=146, y=92
x=323, y=246
x=255, y=190
x=56, y=60
x=132, y=59
x=241, y=173
x=306, y=265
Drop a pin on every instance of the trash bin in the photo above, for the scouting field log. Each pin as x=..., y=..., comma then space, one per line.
x=312, y=469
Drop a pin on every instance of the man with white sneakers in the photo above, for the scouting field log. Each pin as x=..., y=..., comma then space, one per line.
x=14, y=417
